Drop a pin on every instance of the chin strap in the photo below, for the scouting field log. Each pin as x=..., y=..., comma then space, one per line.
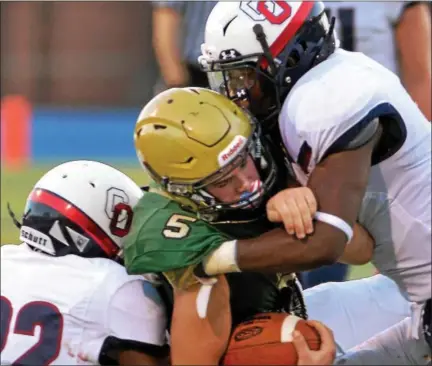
x=292, y=296
x=261, y=38
x=13, y=217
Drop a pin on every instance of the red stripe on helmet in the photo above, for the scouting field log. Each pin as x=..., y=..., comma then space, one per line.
x=291, y=29
x=77, y=216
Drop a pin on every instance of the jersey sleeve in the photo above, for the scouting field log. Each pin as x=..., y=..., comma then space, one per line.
x=165, y=238
x=136, y=313
x=122, y=311
x=328, y=109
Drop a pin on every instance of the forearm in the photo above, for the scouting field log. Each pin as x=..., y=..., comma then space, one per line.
x=138, y=358
x=276, y=251
x=286, y=253
x=166, y=25
x=205, y=317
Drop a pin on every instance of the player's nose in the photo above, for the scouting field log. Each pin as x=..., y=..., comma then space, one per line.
x=244, y=184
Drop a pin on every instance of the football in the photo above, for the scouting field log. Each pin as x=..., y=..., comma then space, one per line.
x=266, y=339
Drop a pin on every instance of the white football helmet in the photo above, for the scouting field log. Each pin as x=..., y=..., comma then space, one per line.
x=255, y=51
x=80, y=207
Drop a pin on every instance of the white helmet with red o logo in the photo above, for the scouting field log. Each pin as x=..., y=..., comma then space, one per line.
x=80, y=207
x=260, y=49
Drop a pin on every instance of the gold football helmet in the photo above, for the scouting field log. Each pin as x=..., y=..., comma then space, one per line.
x=188, y=138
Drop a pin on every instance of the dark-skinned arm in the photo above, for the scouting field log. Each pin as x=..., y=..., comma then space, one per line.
x=360, y=249
x=139, y=358
x=415, y=54
x=339, y=183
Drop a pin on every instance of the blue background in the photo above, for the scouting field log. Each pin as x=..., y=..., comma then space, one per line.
x=60, y=134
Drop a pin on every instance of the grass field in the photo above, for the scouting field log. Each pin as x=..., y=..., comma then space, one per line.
x=15, y=186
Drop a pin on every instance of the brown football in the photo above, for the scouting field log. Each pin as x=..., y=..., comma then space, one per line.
x=266, y=340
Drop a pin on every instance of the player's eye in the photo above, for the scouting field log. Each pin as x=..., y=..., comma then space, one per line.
x=223, y=183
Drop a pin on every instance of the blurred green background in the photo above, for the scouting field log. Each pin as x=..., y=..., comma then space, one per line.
x=15, y=186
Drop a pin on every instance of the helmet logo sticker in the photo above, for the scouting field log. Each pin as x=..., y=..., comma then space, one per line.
x=79, y=240
x=56, y=233
x=232, y=150
x=275, y=12
x=229, y=54
x=122, y=219
x=113, y=197
x=118, y=211
x=37, y=239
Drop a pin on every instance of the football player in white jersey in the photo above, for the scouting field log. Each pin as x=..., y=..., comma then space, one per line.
x=64, y=298
x=353, y=135
x=397, y=34
x=383, y=30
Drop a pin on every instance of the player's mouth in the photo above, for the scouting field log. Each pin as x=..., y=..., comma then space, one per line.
x=254, y=193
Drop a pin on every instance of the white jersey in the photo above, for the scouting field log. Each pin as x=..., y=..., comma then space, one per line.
x=368, y=27
x=61, y=310
x=357, y=310
x=341, y=94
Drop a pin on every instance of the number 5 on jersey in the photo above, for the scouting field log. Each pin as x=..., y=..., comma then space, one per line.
x=177, y=227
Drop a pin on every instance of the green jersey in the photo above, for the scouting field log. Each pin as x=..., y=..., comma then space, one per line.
x=166, y=239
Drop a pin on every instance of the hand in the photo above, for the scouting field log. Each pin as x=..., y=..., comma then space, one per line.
x=327, y=352
x=295, y=207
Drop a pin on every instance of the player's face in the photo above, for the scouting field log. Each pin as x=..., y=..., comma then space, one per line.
x=237, y=185
x=232, y=82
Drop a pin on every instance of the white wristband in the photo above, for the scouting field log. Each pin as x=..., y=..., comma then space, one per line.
x=336, y=222
x=222, y=260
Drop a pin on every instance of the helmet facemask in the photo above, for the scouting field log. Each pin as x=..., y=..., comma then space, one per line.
x=37, y=225
x=247, y=83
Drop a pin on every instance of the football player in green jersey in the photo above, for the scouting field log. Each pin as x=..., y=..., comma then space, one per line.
x=214, y=172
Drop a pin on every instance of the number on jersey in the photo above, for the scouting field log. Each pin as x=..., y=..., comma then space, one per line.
x=176, y=227
x=34, y=314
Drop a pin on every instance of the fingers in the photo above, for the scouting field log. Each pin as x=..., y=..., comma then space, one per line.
x=302, y=348
x=295, y=208
x=279, y=210
x=324, y=356
x=313, y=207
x=310, y=200
x=273, y=215
x=326, y=334
x=298, y=211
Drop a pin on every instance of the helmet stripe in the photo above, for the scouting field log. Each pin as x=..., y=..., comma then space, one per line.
x=293, y=26
x=74, y=214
